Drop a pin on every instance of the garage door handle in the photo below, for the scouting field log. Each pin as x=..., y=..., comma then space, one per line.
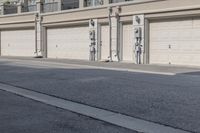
x=169, y=46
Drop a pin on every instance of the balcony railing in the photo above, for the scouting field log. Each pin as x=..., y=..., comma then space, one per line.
x=117, y=1
x=70, y=4
x=50, y=7
x=10, y=9
x=53, y=6
x=29, y=8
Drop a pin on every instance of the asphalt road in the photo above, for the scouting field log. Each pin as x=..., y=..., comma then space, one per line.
x=21, y=115
x=169, y=100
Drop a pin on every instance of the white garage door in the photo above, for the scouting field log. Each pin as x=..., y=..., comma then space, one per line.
x=105, y=42
x=128, y=49
x=18, y=43
x=70, y=43
x=175, y=41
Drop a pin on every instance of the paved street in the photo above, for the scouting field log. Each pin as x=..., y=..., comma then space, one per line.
x=21, y=115
x=171, y=100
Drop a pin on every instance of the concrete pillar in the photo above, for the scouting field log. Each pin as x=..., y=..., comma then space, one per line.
x=19, y=7
x=38, y=35
x=114, y=39
x=2, y=8
x=105, y=2
x=115, y=35
x=81, y=3
x=39, y=4
x=59, y=4
x=93, y=35
x=139, y=23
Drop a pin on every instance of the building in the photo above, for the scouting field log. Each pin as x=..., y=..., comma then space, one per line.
x=136, y=31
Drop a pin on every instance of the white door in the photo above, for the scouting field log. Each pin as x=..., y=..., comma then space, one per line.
x=128, y=44
x=18, y=43
x=175, y=41
x=70, y=43
x=105, y=47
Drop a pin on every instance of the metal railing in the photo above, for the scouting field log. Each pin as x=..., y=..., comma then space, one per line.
x=29, y=8
x=70, y=4
x=89, y=3
x=117, y=1
x=10, y=9
x=50, y=7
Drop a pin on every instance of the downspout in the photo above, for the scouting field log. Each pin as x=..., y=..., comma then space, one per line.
x=117, y=36
x=118, y=33
x=110, y=34
x=36, y=52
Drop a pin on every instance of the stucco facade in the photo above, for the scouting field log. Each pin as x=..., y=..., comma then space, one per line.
x=117, y=20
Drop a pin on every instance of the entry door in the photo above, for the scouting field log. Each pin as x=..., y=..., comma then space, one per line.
x=18, y=43
x=128, y=44
x=105, y=42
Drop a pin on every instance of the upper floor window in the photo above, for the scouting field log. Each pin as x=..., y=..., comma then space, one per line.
x=31, y=2
x=70, y=4
x=88, y=3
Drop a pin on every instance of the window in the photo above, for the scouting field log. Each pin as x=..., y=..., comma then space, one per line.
x=31, y=2
x=70, y=4
x=88, y=3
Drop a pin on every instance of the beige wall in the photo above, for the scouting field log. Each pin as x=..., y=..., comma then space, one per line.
x=159, y=6
x=16, y=21
x=180, y=7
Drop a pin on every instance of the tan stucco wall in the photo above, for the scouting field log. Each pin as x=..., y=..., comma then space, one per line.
x=16, y=21
x=127, y=9
x=151, y=8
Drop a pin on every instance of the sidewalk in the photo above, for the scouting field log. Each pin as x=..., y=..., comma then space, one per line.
x=153, y=69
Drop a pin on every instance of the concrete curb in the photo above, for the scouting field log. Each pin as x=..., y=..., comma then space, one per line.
x=63, y=65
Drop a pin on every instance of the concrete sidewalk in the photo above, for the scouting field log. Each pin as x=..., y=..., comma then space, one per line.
x=121, y=66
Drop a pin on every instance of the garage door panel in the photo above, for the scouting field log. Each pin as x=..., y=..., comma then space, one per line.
x=128, y=44
x=18, y=43
x=180, y=41
x=196, y=23
x=162, y=46
x=71, y=43
x=105, y=53
x=157, y=58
